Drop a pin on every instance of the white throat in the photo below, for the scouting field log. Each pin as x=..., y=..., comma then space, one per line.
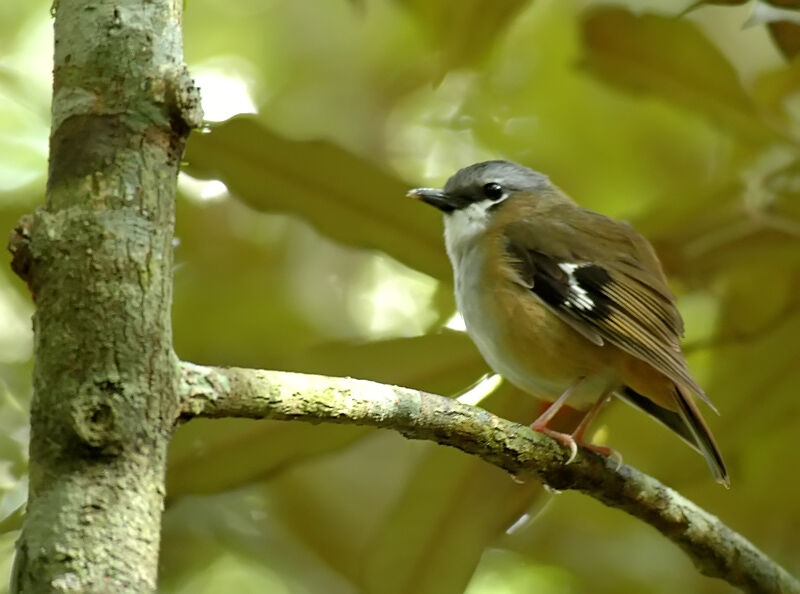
x=463, y=228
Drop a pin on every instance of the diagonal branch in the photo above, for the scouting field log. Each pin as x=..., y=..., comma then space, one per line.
x=714, y=548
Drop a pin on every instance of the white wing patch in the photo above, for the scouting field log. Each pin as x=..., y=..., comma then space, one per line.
x=578, y=297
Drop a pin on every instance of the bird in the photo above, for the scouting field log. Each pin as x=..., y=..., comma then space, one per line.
x=567, y=304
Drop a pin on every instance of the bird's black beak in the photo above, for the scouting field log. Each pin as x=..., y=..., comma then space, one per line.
x=434, y=197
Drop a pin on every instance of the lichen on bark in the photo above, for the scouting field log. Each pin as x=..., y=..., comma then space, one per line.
x=98, y=260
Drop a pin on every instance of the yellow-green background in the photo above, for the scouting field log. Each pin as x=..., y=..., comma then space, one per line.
x=313, y=260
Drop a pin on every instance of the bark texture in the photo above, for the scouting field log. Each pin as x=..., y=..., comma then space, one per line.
x=108, y=388
x=714, y=548
x=98, y=261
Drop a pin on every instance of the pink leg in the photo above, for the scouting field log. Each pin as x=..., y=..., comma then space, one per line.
x=590, y=416
x=540, y=424
x=580, y=430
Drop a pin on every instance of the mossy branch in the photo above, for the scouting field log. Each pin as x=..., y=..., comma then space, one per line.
x=715, y=549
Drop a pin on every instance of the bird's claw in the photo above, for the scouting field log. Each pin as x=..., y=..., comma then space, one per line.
x=565, y=439
x=607, y=452
x=571, y=442
x=573, y=451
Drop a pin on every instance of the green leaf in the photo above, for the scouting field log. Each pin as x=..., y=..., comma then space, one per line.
x=345, y=196
x=452, y=508
x=774, y=92
x=211, y=456
x=463, y=32
x=237, y=540
x=235, y=282
x=443, y=363
x=781, y=23
x=672, y=60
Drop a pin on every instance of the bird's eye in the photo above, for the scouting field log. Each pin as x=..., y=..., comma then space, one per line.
x=493, y=191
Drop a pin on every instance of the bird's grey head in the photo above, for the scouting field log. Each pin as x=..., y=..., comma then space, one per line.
x=472, y=196
x=487, y=183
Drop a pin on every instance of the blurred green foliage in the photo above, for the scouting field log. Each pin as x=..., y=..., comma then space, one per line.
x=682, y=117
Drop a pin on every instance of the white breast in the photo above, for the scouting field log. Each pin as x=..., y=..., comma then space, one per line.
x=463, y=229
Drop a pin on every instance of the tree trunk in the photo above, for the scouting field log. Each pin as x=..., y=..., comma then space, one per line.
x=108, y=388
x=98, y=260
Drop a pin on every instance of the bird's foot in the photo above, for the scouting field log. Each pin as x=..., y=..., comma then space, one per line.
x=604, y=451
x=572, y=441
x=564, y=439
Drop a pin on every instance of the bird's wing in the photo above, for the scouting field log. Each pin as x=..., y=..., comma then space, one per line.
x=603, y=279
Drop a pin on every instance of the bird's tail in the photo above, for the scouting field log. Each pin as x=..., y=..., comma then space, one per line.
x=688, y=423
